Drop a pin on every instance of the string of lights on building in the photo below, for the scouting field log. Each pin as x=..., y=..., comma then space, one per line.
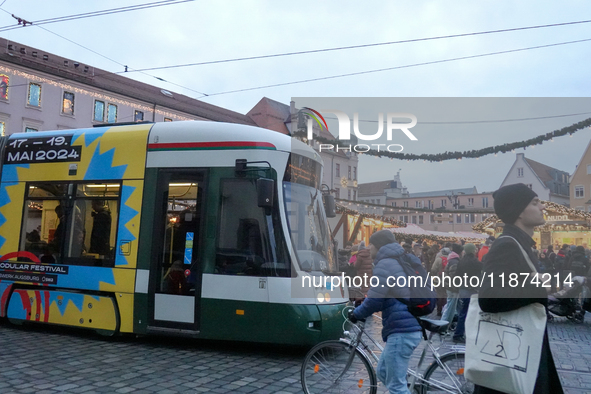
x=74, y=89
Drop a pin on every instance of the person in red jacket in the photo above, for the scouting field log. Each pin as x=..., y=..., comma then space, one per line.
x=484, y=250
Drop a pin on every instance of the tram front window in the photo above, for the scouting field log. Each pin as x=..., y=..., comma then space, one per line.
x=308, y=228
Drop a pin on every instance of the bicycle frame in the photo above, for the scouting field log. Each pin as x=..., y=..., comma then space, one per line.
x=357, y=341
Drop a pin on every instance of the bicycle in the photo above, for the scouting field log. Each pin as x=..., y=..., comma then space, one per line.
x=344, y=366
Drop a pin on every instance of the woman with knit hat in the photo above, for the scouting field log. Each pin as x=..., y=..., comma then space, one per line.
x=521, y=210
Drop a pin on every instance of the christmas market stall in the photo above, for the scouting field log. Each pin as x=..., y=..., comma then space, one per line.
x=352, y=226
x=563, y=226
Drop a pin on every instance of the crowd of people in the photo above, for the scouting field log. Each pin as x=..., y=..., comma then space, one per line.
x=521, y=211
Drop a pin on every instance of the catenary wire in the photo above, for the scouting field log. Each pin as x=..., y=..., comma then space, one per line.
x=362, y=46
x=398, y=67
x=98, y=13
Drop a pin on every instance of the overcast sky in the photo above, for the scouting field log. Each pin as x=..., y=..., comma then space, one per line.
x=202, y=31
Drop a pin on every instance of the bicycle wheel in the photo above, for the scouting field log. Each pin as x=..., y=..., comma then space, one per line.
x=325, y=363
x=447, y=379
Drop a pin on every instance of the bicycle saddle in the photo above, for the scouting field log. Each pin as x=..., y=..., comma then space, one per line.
x=436, y=326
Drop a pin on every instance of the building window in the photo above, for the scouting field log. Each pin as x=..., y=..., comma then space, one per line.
x=459, y=218
x=111, y=113
x=430, y=204
x=421, y=219
x=30, y=130
x=579, y=191
x=443, y=203
x=470, y=201
x=484, y=202
x=394, y=204
x=138, y=116
x=348, y=194
x=520, y=172
x=484, y=216
x=418, y=204
x=4, y=82
x=349, y=173
x=167, y=120
x=354, y=195
x=414, y=219
x=470, y=218
x=405, y=204
x=337, y=170
x=354, y=173
x=2, y=129
x=431, y=218
x=68, y=103
x=337, y=192
x=99, y=111
x=34, y=99
x=588, y=169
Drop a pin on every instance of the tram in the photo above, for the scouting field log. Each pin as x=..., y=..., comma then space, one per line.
x=201, y=229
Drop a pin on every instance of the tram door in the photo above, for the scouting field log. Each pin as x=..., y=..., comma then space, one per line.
x=178, y=224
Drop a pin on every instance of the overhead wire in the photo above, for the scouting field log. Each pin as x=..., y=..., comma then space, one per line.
x=363, y=45
x=171, y=2
x=397, y=67
x=98, y=13
x=108, y=58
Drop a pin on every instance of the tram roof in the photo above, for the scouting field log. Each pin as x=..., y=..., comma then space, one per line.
x=201, y=131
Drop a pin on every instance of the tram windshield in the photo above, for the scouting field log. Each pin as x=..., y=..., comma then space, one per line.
x=307, y=221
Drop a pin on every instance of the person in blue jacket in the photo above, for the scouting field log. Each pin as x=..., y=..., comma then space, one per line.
x=401, y=330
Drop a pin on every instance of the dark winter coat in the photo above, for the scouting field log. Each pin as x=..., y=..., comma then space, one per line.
x=468, y=267
x=450, y=270
x=364, y=266
x=579, y=264
x=395, y=315
x=506, y=257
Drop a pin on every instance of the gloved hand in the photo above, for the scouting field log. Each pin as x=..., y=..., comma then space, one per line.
x=351, y=317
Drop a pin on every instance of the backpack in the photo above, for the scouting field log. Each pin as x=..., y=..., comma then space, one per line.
x=422, y=299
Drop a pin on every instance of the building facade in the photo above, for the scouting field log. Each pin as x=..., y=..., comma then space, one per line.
x=580, y=184
x=42, y=91
x=378, y=193
x=467, y=207
x=550, y=184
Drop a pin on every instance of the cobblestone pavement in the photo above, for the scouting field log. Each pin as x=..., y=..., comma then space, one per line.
x=48, y=360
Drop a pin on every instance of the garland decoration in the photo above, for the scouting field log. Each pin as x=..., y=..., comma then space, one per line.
x=348, y=211
x=453, y=155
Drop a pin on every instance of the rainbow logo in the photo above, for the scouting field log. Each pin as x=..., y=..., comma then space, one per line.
x=312, y=114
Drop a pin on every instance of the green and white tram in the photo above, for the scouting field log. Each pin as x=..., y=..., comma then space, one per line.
x=193, y=228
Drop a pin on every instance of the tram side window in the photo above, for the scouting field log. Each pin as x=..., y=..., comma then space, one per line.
x=41, y=220
x=94, y=221
x=249, y=242
x=78, y=229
